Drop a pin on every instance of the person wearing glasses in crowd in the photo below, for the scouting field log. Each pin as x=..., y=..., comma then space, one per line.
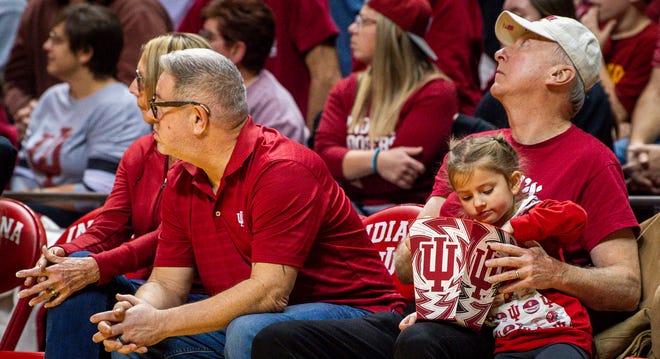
x=257, y=215
x=244, y=32
x=26, y=77
x=384, y=130
x=85, y=274
x=80, y=128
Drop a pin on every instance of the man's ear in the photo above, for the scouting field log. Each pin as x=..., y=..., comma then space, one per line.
x=560, y=75
x=201, y=121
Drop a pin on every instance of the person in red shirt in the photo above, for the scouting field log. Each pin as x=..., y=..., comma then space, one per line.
x=258, y=216
x=484, y=172
x=304, y=56
x=384, y=130
x=455, y=35
x=86, y=272
x=627, y=38
x=543, y=71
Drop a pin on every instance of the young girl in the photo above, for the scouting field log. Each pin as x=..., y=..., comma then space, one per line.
x=485, y=174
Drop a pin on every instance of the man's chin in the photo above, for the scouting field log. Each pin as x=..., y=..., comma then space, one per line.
x=160, y=147
x=496, y=91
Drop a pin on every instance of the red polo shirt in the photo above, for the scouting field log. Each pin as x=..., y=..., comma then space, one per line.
x=277, y=203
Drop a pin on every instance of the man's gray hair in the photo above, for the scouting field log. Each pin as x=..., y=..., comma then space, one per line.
x=205, y=76
x=577, y=94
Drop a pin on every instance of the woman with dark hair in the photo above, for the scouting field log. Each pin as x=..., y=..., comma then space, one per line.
x=80, y=128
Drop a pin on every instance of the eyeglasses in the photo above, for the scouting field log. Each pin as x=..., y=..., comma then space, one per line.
x=139, y=79
x=211, y=37
x=154, y=105
x=361, y=21
x=55, y=38
x=206, y=35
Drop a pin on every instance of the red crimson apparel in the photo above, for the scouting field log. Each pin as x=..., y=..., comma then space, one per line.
x=276, y=203
x=629, y=63
x=455, y=35
x=300, y=25
x=133, y=208
x=531, y=319
x=573, y=166
x=425, y=120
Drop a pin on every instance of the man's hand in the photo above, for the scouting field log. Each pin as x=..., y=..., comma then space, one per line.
x=129, y=327
x=524, y=268
x=61, y=279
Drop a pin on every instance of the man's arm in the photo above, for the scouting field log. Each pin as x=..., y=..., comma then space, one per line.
x=323, y=69
x=613, y=284
x=402, y=256
x=160, y=315
x=267, y=290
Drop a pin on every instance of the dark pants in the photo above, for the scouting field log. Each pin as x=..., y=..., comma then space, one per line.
x=552, y=351
x=371, y=337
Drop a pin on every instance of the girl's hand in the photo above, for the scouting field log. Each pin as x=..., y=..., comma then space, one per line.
x=408, y=321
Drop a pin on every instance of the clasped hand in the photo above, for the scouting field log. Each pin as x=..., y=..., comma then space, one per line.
x=397, y=166
x=57, y=277
x=128, y=327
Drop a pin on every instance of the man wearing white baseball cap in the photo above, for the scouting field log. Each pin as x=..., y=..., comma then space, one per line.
x=543, y=71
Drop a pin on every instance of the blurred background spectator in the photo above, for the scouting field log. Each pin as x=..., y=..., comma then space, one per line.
x=10, y=14
x=244, y=31
x=385, y=129
x=80, y=128
x=628, y=39
x=26, y=77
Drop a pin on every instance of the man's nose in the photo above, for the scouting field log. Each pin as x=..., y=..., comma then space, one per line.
x=500, y=55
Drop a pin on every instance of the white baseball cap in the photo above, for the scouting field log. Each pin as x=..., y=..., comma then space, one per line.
x=578, y=42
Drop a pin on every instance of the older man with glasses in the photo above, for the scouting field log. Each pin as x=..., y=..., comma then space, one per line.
x=257, y=215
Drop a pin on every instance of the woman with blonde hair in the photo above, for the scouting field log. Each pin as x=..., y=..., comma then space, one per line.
x=384, y=130
x=84, y=275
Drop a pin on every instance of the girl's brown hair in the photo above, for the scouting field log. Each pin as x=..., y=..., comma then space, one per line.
x=492, y=153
